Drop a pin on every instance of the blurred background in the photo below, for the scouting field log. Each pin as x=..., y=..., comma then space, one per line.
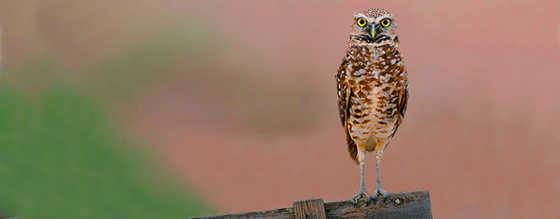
x=173, y=108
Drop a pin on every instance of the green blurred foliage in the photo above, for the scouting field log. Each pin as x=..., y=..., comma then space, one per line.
x=61, y=158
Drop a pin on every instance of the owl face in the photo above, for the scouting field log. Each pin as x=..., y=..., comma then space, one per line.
x=374, y=27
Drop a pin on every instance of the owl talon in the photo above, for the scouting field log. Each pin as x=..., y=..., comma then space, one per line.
x=379, y=192
x=361, y=199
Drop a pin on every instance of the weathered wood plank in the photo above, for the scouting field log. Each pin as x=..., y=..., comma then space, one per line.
x=311, y=208
x=398, y=205
x=415, y=204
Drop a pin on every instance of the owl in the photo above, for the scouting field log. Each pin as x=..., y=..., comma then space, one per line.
x=372, y=88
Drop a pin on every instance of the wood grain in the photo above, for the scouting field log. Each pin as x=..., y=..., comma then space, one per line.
x=311, y=208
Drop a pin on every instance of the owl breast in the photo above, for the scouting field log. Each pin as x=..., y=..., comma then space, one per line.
x=377, y=78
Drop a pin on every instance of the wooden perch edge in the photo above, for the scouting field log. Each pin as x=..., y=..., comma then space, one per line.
x=414, y=204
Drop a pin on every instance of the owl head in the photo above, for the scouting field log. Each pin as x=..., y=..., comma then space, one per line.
x=374, y=27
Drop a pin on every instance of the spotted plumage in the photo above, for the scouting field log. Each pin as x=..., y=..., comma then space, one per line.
x=372, y=88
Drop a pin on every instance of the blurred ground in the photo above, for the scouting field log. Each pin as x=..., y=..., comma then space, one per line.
x=243, y=107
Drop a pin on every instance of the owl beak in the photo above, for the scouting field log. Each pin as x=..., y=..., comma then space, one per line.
x=372, y=31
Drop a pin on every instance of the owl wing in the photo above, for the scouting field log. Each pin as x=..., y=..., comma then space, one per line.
x=344, y=93
x=402, y=103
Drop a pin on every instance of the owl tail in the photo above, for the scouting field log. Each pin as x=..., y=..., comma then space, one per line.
x=352, y=149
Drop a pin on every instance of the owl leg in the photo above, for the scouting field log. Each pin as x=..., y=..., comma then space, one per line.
x=379, y=190
x=362, y=198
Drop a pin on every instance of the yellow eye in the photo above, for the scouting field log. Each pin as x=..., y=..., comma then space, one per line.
x=386, y=22
x=361, y=22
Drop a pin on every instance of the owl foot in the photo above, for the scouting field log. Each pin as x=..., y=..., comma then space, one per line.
x=380, y=192
x=361, y=199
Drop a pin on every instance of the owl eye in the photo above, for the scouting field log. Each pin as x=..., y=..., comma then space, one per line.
x=361, y=22
x=386, y=22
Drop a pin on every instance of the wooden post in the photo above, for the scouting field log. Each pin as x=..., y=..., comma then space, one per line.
x=414, y=204
x=311, y=208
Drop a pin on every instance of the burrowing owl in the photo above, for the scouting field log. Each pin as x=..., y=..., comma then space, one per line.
x=372, y=89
